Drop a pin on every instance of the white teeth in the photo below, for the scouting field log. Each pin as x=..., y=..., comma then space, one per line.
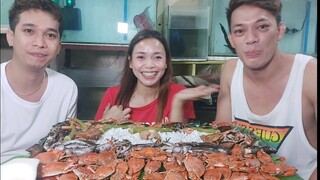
x=149, y=73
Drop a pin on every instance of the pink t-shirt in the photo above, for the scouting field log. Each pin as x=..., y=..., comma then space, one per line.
x=147, y=113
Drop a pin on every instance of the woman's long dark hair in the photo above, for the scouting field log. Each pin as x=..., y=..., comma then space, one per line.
x=129, y=80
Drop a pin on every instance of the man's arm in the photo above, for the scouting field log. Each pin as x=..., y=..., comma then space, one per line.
x=314, y=86
x=224, y=98
x=310, y=82
x=314, y=175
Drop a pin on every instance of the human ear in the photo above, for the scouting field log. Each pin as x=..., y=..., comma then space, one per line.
x=59, y=48
x=281, y=30
x=230, y=40
x=9, y=36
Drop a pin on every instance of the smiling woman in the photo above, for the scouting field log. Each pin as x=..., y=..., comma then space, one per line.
x=146, y=92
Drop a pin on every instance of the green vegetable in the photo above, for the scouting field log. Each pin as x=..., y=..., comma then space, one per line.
x=141, y=174
x=207, y=130
x=276, y=160
x=140, y=129
x=84, y=127
x=106, y=127
x=102, y=131
x=72, y=133
x=295, y=177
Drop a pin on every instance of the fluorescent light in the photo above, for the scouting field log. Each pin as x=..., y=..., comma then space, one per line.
x=122, y=27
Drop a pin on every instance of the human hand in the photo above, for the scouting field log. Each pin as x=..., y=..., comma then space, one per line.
x=197, y=92
x=189, y=94
x=116, y=112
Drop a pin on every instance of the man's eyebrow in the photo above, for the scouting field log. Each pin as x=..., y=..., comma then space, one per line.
x=261, y=19
x=257, y=21
x=28, y=25
x=32, y=25
x=54, y=30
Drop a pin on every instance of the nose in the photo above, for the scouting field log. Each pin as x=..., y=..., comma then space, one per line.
x=251, y=37
x=149, y=62
x=39, y=41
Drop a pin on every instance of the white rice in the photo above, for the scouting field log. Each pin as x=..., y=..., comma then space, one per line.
x=120, y=134
x=176, y=137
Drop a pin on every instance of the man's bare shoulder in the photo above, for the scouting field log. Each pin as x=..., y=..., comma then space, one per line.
x=313, y=63
x=231, y=62
x=311, y=70
x=229, y=66
x=310, y=77
x=227, y=73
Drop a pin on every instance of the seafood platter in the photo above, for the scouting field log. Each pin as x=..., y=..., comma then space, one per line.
x=77, y=149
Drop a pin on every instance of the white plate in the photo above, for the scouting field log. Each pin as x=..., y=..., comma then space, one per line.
x=20, y=169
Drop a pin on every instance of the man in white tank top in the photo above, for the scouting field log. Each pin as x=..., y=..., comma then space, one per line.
x=270, y=92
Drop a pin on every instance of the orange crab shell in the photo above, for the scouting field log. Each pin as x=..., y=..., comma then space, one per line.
x=50, y=156
x=194, y=166
x=152, y=166
x=104, y=171
x=154, y=176
x=135, y=165
x=55, y=168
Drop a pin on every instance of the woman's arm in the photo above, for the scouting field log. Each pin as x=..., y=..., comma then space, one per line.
x=189, y=94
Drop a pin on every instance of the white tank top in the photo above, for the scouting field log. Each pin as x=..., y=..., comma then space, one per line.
x=282, y=128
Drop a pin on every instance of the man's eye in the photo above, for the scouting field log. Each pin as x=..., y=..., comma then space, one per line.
x=52, y=36
x=158, y=57
x=28, y=30
x=264, y=26
x=238, y=31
